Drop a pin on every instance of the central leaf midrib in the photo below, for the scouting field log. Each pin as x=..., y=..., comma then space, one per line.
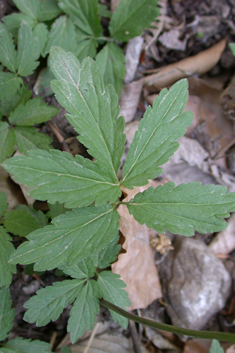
x=84, y=101
x=67, y=175
x=142, y=151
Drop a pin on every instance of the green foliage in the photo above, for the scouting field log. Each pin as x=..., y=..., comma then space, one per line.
x=155, y=140
x=111, y=62
x=20, y=345
x=183, y=208
x=62, y=34
x=79, y=30
x=232, y=47
x=71, y=237
x=85, y=238
x=6, y=269
x=215, y=347
x=83, y=195
x=20, y=63
x=6, y=313
x=19, y=131
x=24, y=220
x=32, y=12
x=111, y=289
x=132, y=17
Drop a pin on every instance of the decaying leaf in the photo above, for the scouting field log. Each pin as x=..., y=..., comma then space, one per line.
x=137, y=267
x=224, y=242
x=130, y=98
x=210, y=126
x=13, y=192
x=194, y=65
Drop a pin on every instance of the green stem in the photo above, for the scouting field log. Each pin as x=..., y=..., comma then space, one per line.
x=106, y=39
x=221, y=336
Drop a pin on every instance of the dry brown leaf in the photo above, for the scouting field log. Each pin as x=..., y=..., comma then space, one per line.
x=197, y=346
x=130, y=98
x=194, y=65
x=231, y=349
x=210, y=126
x=137, y=267
x=12, y=190
x=224, y=242
x=107, y=343
x=114, y=4
x=132, y=56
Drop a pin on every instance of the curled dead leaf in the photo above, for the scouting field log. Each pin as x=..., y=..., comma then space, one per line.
x=137, y=266
x=194, y=65
x=130, y=98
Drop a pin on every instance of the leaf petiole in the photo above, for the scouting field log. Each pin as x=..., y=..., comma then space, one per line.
x=222, y=336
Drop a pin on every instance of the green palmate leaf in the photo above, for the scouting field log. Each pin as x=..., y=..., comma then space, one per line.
x=7, y=141
x=103, y=11
x=6, y=313
x=71, y=237
x=3, y=204
x=84, y=15
x=107, y=255
x=232, y=48
x=56, y=210
x=111, y=288
x=11, y=103
x=41, y=33
x=28, y=51
x=215, y=347
x=183, y=208
x=7, y=49
x=155, y=140
x=24, y=220
x=111, y=62
x=62, y=34
x=48, y=10
x=85, y=47
x=29, y=7
x=27, y=138
x=84, y=268
x=49, y=302
x=33, y=112
x=13, y=22
x=84, y=310
x=132, y=17
x=6, y=269
x=79, y=181
x=20, y=345
x=94, y=109
x=9, y=85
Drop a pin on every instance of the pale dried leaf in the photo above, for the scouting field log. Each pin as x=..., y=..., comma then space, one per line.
x=210, y=127
x=13, y=192
x=170, y=39
x=113, y=343
x=224, y=242
x=132, y=56
x=137, y=267
x=194, y=65
x=231, y=349
x=114, y=5
x=130, y=98
x=196, y=345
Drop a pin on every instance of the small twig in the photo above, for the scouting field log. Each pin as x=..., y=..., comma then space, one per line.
x=34, y=275
x=91, y=338
x=135, y=338
x=224, y=149
x=53, y=338
x=59, y=137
